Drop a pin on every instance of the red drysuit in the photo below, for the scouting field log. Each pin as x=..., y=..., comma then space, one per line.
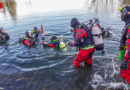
x=125, y=73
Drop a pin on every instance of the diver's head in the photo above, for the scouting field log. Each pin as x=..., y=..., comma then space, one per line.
x=29, y=34
x=54, y=39
x=2, y=30
x=125, y=13
x=74, y=23
x=35, y=29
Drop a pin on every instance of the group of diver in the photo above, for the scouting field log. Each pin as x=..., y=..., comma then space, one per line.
x=88, y=38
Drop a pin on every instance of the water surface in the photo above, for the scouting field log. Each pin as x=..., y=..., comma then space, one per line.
x=48, y=69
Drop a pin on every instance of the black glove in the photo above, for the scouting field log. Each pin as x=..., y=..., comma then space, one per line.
x=43, y=38
x=30, y=40
x=121, y=47
x=70, y=44
x=21, y=40
x=124, y=65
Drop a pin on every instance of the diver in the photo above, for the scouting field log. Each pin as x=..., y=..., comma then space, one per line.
x=54, y=43
x=84, y=41
x=35, y=32
x=106, y=33
x=28, y=40
x=125, y=44
x=3, y=35
x=31, y=37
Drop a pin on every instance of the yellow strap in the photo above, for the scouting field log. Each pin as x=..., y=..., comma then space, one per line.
x=121, y=8
x=26, y=38
x=88, y=47
x=129, y=27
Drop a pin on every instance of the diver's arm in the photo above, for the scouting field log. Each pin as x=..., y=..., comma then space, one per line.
x=123, y=38
x=51, y=45
x=77, y=40
x=48, y=45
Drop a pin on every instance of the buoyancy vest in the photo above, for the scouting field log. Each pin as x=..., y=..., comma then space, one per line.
x=4, y=36
x=28, y=42
x=97, y=37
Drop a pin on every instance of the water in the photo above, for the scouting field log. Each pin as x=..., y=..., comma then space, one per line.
x=39, y=68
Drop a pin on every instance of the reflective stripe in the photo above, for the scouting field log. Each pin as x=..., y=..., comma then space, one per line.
x=97, y=35
x=26, y=38
x=55, y=40
x=88, y=47
x=121, y=8
x=106, y=34
x=32, y=31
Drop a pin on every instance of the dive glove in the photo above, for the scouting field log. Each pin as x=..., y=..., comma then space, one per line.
x=43, y=38
x=124, y=65
x=70, y=44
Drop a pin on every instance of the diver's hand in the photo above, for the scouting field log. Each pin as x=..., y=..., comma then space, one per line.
x=70, y=44
x=43, y=38
x=124, y=65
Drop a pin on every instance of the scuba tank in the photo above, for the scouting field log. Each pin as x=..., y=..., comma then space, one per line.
x=94, y=26
x=62, y=45
x=97, y=37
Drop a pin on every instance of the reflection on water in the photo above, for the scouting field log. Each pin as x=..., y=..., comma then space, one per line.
x=24, y=7
x=9, y=6
x=126, y=2
x=103, y=7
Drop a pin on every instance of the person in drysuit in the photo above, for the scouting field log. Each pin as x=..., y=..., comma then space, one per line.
x=3, y=35
x=106, y=33
x=82, y=39
x=125, y=44
x=55, y=43
x=30, y=38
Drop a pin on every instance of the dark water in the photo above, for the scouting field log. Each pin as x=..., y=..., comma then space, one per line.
x=47, y=69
